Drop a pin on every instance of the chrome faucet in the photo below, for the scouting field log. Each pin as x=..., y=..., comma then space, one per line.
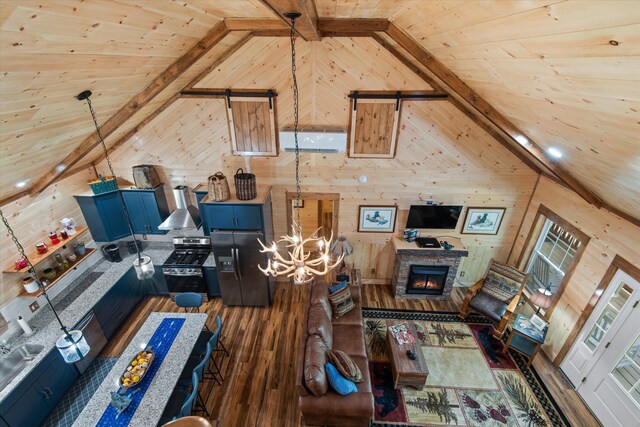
x=4, y=348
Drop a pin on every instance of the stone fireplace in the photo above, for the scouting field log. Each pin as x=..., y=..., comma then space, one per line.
x=428, y=280
x=425, y=273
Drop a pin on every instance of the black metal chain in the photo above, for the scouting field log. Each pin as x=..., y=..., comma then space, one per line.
x=120, y=198
x=32, y=270
x=295, y=121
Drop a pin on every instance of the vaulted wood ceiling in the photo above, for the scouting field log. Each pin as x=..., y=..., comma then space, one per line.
x=565, y=73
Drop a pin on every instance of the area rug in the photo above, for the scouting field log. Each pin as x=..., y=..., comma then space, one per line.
x=470, y=382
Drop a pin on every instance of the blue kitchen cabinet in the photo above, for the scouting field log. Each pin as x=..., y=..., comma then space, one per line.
x=211, y=277
x=147, y=209
x=248, y=217
x=199, y=196
x=157, y=285
x=119, y=302
x=224, y=216
x=37, y=394
x=104, y=216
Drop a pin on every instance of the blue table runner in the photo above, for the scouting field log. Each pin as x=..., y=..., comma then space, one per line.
x=161, y=341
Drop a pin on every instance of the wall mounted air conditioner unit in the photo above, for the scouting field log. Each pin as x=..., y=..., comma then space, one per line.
x=315, y=141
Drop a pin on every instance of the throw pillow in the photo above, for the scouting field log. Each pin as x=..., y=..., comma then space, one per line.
x=335, y=288
x=338, y=382
x=346, y=366
x=341, y=302
x=502, y=282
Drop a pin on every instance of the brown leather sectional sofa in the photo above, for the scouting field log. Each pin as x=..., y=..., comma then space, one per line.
x=320, y=405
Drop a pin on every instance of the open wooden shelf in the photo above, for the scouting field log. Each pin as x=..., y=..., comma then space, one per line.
x=36, y=258
x=72, y=267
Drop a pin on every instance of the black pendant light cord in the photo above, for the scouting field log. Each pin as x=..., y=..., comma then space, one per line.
x=120, y=198
x=32, y=270
x=295, y=121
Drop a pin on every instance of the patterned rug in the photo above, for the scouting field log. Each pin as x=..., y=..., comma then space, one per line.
x=470, y=382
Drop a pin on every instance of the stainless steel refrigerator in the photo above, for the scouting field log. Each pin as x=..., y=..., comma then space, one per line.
x=237, y=255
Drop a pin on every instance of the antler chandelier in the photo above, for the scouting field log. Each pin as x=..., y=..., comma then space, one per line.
x=298, y=263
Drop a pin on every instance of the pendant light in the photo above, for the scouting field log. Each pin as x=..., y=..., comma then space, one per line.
x=142, y=263
x=72, y=345
x=297, y=263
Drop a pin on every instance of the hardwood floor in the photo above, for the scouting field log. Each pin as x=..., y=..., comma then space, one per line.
x=258, y=387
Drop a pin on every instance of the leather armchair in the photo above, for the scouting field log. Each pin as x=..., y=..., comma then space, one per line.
x=496, y=295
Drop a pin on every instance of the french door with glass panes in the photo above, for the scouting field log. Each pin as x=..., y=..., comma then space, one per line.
x=604, y=362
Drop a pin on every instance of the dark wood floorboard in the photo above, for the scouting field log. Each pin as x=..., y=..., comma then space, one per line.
x=258, y=387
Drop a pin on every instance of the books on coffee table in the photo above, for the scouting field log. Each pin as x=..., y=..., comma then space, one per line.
x=401, y=333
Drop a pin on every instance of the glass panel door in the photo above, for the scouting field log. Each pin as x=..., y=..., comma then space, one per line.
x=627, y=371
x=609, y=314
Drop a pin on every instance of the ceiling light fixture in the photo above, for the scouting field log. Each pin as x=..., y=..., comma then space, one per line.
x=71, y=345
x=142, y=263
x=297, y=263
x=554, y=152
x=23, y=183
x=522, y=140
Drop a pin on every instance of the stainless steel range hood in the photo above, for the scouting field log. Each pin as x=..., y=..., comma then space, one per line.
x=186, y=215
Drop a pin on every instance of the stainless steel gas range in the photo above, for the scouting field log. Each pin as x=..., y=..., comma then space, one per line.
x=183, y=269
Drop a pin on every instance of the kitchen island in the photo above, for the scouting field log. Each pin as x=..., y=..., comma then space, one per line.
x=47, y=330
x=160, y=387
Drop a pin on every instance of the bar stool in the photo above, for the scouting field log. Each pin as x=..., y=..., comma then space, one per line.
x=196, y=366
x=181, y=403
x=190, y=421
x=189, y=300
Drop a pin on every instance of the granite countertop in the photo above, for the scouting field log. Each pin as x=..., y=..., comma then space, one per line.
x=47, y=330
x=210, y=261
x=161, y=387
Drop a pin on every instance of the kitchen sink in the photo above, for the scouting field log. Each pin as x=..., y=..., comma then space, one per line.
x=14, y=362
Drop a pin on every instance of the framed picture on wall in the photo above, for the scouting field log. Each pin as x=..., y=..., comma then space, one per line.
x=483, y=220
x=377, y=219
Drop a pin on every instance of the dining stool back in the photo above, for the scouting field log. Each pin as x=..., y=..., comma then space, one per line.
x=187, y=407
x=189, y=300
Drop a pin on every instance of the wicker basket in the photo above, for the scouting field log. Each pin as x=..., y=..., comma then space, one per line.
x=219, y=187
x=245, y=185
x=103, y=184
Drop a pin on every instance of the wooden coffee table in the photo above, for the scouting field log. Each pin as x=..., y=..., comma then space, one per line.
x=406, y=372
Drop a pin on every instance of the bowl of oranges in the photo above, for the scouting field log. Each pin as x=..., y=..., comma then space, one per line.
x=137, y=369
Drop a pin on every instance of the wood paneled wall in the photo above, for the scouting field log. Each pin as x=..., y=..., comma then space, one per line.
x=32, y=219
x=610, y=236
x=442, y=155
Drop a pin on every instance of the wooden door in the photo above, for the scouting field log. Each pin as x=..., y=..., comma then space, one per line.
x=373, y=129
x=252, y=126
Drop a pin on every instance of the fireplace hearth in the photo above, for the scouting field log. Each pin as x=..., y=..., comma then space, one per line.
x=427, y=279
x=430, y=285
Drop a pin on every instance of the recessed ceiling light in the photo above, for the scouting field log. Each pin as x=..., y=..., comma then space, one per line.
x=554, y=152
x=522, y=140
x=60, y=168
x=23, y=183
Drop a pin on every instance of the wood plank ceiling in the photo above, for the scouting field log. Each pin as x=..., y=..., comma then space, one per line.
x=565, y=73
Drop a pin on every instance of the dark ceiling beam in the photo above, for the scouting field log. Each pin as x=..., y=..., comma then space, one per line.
x=306, y=25
x=326, y=27
x=455, y=86
x=217, y=33
x=462, y=107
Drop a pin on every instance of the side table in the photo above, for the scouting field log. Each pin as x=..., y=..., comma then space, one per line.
x=525, y=338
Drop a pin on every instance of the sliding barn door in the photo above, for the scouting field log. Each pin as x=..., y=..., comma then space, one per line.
x=373, y=129
x=252, y=126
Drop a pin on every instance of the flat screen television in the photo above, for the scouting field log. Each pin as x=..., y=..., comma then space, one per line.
x=433, y=216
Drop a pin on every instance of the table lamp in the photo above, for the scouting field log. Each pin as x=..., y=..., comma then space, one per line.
x=542, y=298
